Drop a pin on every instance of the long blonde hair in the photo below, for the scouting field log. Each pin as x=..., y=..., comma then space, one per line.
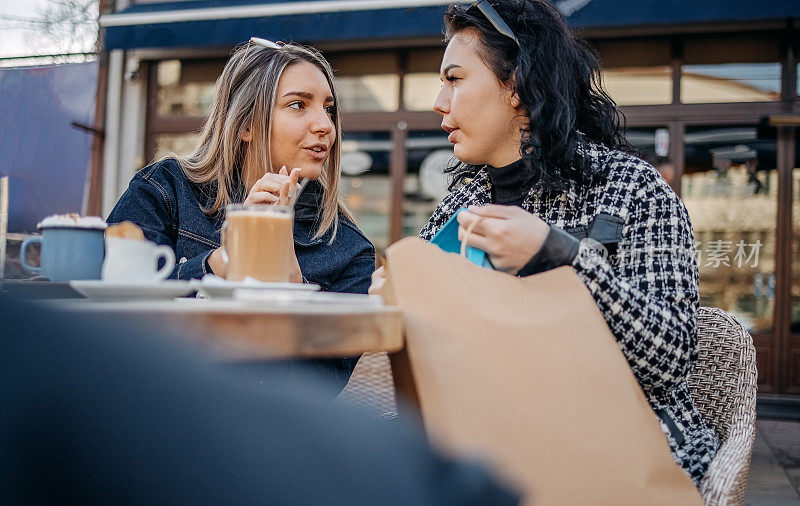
x=244, y=97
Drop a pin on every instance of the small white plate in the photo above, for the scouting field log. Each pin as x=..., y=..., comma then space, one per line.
x=116, y=290
x=328, y=298
x=220, y=289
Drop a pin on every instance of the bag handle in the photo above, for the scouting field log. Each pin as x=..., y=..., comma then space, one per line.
x=467, y=233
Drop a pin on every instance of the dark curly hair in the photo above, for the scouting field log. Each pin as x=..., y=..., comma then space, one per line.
x=556, y=76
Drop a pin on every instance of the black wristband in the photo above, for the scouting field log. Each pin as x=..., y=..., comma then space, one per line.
x=559, y=248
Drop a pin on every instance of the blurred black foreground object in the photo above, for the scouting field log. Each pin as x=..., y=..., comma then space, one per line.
x=112, y=412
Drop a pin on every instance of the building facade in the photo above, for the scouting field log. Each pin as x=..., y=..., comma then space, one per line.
x=709, y=90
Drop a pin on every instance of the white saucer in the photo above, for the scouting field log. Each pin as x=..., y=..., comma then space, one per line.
x=116, y=290
x=328, y=298
x=219, y=289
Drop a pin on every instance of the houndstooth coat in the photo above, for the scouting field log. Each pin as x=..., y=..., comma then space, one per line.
x=644, y=280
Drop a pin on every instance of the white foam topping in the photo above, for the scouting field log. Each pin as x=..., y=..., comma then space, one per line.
x=72, y=220
x=252, y=213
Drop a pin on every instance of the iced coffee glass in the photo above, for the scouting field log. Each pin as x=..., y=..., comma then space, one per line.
x=256, y=242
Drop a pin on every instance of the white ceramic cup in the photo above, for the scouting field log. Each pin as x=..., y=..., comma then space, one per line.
x=136, y=261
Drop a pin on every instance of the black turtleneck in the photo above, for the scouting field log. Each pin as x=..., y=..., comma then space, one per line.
x=510, y=184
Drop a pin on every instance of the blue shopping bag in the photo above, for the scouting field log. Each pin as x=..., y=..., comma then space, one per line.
x=447, y=239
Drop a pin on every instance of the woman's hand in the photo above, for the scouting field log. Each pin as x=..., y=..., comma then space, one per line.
x=217, y=263
x=269, y=189
x=509, y=234
x=378, y=280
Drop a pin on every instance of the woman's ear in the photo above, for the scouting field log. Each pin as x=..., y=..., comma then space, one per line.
x=247, y=136
x=511, y=90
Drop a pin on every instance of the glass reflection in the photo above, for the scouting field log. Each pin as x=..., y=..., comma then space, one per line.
x=795, y=316
x=369, y=93
x=731, y=82
x=652, y=146
x=639, y=85
x=730, y=190
x=366, y=186
x=186, y=88
x=421, y=82
x=180, y=144
x=420, y=90
x=425, y=184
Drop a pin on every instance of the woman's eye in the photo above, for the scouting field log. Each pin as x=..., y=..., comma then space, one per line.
x=451, y=79
x=296, y=105
x=331, y=109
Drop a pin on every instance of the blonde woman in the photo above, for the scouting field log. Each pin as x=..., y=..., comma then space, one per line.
x=274, y=108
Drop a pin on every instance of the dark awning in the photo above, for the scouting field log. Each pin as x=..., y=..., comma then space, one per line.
x=203, y=23
x=622, y=13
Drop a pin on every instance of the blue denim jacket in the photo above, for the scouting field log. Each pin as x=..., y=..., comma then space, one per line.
x=167, y=206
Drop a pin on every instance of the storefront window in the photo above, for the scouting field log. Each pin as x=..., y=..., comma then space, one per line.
x=366, y=185
x=420, y=90
x=180, y=144
x=639, y=85
x=425, y=184
x=795, y=322
x=730, y=190
x=731, y=82
x=743, y=69
x=636, y=72
x=367, y=82
x=186, y=87
x=422, y=83
x=370, y=93
x=652, y=145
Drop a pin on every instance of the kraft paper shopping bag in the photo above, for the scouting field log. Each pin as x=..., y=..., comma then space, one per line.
x=525, y=373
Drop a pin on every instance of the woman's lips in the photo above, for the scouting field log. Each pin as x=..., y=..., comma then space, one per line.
x=316, y=155
x=451, y=130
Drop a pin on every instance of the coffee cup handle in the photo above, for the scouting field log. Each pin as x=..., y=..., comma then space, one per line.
x=168, y=255
x=23, y=255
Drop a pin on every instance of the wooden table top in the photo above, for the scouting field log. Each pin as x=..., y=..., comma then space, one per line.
x=252, y=330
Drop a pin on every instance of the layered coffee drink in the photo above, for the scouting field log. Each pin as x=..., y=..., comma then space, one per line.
x=256, y=240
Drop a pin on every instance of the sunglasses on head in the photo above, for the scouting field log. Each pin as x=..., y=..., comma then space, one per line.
x=494, y=18
x=262, y=42
x=265, y=43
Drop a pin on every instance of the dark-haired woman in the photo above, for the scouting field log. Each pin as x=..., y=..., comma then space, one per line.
x=545, y=170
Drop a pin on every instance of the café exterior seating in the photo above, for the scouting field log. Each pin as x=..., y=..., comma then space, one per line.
x=722, y=382
x=723, y=386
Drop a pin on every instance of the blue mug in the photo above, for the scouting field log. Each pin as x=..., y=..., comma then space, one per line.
x=67, y=253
